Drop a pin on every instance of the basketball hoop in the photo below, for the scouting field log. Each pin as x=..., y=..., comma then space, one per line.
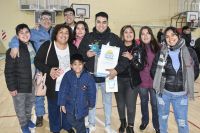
x=194, y=23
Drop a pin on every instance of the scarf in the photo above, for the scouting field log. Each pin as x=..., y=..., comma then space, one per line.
x=77, y=41
x=187, y=69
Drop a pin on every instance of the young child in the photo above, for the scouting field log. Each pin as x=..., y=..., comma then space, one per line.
x=77, y=93
x=19, y=73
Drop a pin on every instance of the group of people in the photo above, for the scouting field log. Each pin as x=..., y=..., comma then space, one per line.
x=162, y=73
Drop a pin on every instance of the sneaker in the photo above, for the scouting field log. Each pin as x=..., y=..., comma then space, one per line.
x=25, y=129
x=31, y=124
x=91, y=128
x=86, y=121
x=108, y=129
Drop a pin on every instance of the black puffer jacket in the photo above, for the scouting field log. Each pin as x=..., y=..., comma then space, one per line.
x=135, y=65
x=18, y=72
x=174, y=81
x=102, y=38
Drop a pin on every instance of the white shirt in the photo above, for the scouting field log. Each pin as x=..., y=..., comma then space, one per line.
x=64, y=63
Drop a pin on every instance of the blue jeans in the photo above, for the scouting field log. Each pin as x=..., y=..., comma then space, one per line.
x=79, y=124
x=180, y=107
x=144, y=97
x=107, y=103
x=39, y=105
x=57, y=120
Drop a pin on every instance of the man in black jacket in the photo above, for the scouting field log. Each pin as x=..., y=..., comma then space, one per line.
x=102, y=35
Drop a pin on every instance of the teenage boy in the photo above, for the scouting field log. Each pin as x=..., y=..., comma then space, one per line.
x=19, y=74
x=69, y=16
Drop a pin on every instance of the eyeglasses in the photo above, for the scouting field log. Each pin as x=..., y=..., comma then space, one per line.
x=46, y=18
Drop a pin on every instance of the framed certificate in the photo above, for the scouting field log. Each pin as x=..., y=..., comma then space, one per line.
x=111, y=85
x=108, y=59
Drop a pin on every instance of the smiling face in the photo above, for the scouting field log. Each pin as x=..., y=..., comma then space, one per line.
x=77, y=66
x=62, y=36
x=145, y=36
x=69, y=18
x=101, y=24
x=24, y=35
x=46, y=21
x=171, y=38
x=128, y=35
x=80, y=30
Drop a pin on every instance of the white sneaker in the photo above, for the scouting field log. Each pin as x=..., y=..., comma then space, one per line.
x=108, y=129
x=91, y=128
x=86, y=121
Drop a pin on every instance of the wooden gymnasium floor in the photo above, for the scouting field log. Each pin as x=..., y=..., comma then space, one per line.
x=9, y=122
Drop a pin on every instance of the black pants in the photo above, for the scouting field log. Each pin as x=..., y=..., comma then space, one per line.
x=126, y=97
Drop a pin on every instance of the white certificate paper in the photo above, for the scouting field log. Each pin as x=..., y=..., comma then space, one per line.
x=108, y=59
x=111, y=85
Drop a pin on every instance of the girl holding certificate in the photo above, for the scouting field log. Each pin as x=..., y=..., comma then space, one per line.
x=129, y=79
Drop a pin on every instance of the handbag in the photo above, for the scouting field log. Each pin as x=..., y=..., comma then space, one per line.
x=40, y=79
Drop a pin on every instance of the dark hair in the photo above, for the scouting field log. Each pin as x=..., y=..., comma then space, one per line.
x=46, y=13
x=185, y=28
x=20, y=27
x=173, y=29
x=85, y=26
x=69, y=9
x=101, y=14
x=122, y=32
x=75, y=57
x=153, y=43
x=57, y=28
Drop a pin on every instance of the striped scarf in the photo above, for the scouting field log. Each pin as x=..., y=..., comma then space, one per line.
x=187, y=69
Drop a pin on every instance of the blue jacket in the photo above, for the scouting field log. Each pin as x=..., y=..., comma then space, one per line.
x=77, y=94
x=38, y=36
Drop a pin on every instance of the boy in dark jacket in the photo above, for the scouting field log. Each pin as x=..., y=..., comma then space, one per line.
x=77, y=93
x=19, y=73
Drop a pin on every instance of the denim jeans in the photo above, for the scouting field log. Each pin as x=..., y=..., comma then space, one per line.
x=57, y=120
x=39, y=105
x=180, y=107
x=79, y=124
x=107, y=103
x=126, y=99
x=144, y=97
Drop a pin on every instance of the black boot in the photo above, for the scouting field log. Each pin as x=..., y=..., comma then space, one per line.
x=122, y=126
x=157, y=130
x=143, y=126
x=39, y=121
x=130, y=129
x=71, y=130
